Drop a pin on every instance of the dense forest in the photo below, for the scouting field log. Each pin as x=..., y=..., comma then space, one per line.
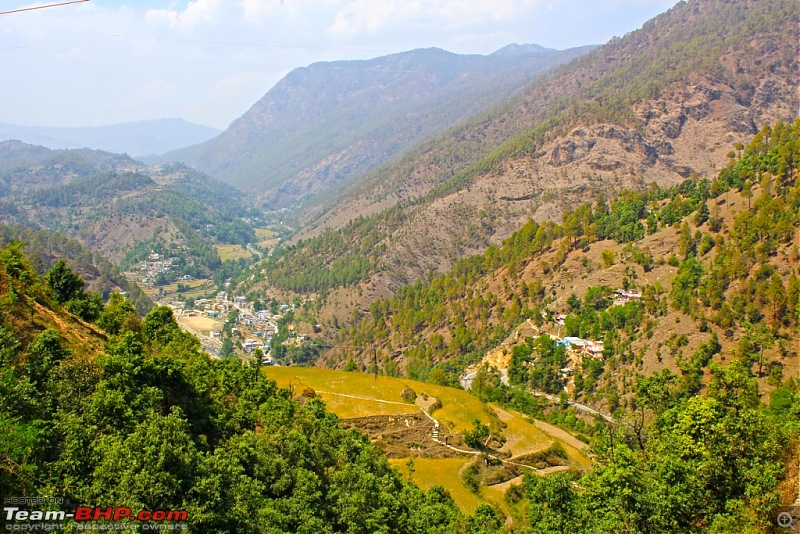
x=690, y=463
x=131, y=412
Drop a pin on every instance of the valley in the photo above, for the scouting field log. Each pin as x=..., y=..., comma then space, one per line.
x=531, y=291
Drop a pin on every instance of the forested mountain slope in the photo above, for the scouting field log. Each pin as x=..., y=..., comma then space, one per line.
x=715, y=266
x=130, y=412
x=331, y=122
x=120, y=207
x=662, y=104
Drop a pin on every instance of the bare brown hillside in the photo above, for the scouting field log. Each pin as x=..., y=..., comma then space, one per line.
x=662, y=104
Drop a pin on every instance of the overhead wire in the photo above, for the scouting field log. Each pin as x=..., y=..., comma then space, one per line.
x=34, y=8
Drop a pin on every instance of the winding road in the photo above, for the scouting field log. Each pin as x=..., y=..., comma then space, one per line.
x=581, y=407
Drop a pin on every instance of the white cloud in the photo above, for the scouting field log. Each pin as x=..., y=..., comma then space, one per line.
x=256, y=10
x=197, y=13
x=359, y=16
x=209, y=60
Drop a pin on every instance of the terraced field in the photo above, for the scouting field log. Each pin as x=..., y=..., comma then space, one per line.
x=376, y=406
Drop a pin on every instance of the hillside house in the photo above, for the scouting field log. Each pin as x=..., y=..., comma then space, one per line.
x=623, y=296
x=251, y=344
x=585, y=347
x=594, y=349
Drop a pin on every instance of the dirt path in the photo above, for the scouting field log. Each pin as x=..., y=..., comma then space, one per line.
x=361, y=397
x=436, y=425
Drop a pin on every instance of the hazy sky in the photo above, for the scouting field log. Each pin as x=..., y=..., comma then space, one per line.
x=208, y=61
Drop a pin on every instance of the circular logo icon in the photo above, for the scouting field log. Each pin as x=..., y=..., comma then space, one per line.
x=785, y=519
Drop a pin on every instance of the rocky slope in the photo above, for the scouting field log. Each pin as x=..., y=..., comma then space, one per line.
x=331, y=122
x=664, y=103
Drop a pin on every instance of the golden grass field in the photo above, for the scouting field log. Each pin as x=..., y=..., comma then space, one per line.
x=429, y=472
x=347, y=408
x=446, y=472
x=459, y=408
x=232, y=252
x=521, y=436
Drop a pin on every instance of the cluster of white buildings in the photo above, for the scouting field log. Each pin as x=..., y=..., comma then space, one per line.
x=584, y=347
x=155, y=264
x=262, y=324
x=623, y=296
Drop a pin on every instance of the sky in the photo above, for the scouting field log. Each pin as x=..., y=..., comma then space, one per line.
x=207, y=61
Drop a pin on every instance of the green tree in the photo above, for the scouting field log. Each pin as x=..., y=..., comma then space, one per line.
x=227, y=348
x=44, y=353
x=119, y=316
x=477, y=435
x=160, y=326
x=65, y=283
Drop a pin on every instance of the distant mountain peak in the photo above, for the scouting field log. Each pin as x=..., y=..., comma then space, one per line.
x=139, y=138
x=333, y=122
x=517, y=50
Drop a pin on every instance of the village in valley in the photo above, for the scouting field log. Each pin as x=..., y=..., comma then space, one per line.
x=233, y=326
x=227, y=325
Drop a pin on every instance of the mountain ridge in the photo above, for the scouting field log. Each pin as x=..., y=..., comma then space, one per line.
x=138, y=138
x=606, y=121
x=329, y=122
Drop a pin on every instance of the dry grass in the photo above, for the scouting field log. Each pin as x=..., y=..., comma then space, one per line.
x=459, y=408
x=446, y=472
x=522, y=437
x=232, y=252
x=347, y=408
x=429, y=472
x=338, y=383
